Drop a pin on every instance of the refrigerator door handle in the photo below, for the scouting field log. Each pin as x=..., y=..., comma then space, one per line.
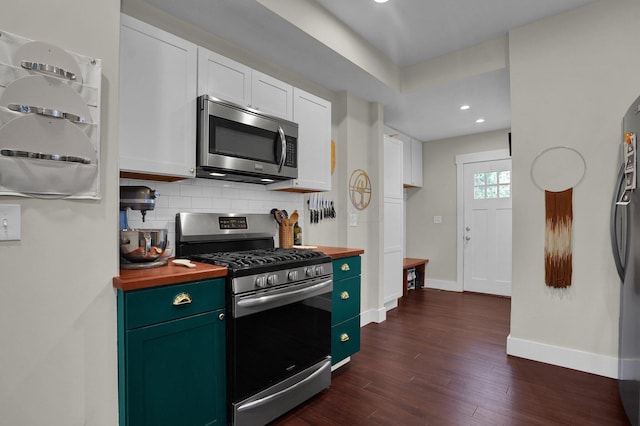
x=614, y=234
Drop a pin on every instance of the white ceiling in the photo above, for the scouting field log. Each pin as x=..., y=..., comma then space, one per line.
x=406, y=32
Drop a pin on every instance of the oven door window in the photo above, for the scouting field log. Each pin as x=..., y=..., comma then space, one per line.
x=269, y=346
x=239, y=140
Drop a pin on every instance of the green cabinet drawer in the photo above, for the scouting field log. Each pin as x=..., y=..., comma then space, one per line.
x=345, y=300
x=345, y=339
x=154, y=305
x=346, y=268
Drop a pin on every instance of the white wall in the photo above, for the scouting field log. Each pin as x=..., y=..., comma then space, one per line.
x=58, y=311
x=437, y=197
x=573, y=76
x=359, y=146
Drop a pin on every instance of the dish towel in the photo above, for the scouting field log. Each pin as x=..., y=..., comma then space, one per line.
x=557, y=241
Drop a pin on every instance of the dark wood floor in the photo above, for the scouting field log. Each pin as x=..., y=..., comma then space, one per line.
x=440, y=359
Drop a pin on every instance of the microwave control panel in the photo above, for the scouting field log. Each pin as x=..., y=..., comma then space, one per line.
x=292, y=152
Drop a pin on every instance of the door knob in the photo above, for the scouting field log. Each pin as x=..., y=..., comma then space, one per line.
x=467, y=237
x=468, y=228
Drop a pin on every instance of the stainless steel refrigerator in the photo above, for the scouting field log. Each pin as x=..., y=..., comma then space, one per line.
x=625, y=241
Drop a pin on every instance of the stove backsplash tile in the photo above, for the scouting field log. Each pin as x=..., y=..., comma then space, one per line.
x=206, y=195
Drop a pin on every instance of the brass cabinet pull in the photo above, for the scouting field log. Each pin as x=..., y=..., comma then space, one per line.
x=344, y=295
x=182, y=299
x=344, y=337
x=221, y=317
x=345, y=267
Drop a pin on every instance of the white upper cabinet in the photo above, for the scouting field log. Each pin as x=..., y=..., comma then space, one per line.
x=313, y=115
x=411, y=158
x=412, y=173
x=157, y=101
x=223, y=78
x=271, y=96
x=232, y=81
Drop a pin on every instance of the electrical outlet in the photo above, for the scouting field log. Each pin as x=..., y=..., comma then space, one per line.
x=10, y=222
x=353, y=219
x=437, y=219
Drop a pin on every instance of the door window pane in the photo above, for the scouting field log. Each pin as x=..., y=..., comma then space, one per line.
x=504, y=191
x=491, y=178
x=492, y=185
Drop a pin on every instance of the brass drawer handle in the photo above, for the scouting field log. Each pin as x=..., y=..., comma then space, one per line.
x=182, y=299
x=344, y=295
x=344, y=337
x=345, y=267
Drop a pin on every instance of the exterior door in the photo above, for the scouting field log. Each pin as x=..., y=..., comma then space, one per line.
x=487, y=227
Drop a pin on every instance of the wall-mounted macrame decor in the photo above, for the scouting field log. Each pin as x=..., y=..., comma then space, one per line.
x=554, y=167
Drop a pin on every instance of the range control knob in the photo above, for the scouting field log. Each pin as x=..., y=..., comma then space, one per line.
x=261, y=281
x=319, y=270
x=309, y=272
x=272, y=279
x=292, y=275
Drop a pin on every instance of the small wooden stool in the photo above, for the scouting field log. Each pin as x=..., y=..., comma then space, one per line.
x=420, y=267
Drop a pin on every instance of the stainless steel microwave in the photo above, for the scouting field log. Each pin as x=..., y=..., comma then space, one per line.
x=240, y=144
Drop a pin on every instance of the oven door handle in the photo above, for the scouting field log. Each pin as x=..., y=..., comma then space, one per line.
x=266, y=399
x=256, y=301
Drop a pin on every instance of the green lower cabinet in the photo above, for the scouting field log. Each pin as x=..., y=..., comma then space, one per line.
x=345, y=339
x=173, y=372
x=345, y=308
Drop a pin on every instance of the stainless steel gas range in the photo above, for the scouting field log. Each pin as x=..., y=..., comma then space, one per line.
x=278, y=312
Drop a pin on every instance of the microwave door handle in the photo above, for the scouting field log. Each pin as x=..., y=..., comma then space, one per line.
x=283, y=153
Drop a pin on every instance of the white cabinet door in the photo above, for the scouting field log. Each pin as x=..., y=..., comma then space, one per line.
x=393, y=221
x=226, y=79
x=393, y=163
x=406, y=162
x=412, y=162
x=157, y=101
x=271, y=96
x=416, y=163
x=223, y=78
x=393, y=242
x=313, y=115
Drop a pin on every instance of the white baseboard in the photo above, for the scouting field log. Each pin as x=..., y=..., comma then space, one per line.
x=601, y=365
x=443, y=285
x=373, y=315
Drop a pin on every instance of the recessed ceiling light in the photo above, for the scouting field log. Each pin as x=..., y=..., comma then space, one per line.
x=266, y=180
x=381, y=1
x=464, y=107
x=480, y=120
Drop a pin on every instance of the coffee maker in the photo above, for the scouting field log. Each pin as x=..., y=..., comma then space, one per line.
x=140, y=248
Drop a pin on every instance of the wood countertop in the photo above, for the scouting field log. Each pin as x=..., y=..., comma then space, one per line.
x=336, y=252
x=135, y=279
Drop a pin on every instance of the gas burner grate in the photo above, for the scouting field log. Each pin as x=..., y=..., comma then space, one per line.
x=257, y=258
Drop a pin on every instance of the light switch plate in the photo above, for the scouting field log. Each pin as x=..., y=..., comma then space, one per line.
x=10, y=222
x=353, y=219
x=437, y=219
